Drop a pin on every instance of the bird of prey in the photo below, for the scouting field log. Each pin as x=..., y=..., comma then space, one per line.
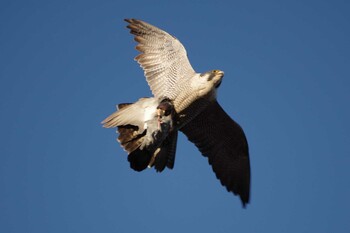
x=185, y=101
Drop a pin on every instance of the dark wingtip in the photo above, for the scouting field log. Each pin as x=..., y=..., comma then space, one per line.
x=243, y=194
x=244, y=203
x=244, y=199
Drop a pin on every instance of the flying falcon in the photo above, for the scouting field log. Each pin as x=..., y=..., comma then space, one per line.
x=183, y=100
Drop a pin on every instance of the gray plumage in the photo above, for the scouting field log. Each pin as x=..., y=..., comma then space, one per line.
x=195, y=112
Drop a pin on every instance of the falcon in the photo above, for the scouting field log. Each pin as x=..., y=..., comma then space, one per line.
x=185, y=101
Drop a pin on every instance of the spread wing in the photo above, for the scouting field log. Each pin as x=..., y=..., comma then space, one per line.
x=163, y=58
x=222, y=140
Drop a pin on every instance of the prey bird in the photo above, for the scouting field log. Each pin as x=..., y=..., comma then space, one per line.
x=185, y=101
x=146, y=132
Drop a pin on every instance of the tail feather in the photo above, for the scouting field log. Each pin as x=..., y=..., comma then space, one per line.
x=127, y=133
x=160, y=158
x=139, y=159
x=130, y=138
x=166, y=155
x=172, y=150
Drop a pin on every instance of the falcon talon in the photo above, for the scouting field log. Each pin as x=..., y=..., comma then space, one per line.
x=183, y=101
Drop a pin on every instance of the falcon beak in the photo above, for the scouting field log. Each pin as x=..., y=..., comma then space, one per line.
x=221, y=73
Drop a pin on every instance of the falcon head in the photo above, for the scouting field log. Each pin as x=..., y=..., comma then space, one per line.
x=215, y=76
x=209, y=81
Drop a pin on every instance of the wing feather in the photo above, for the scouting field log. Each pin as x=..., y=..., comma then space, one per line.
x=223, y=141
x=163, y=58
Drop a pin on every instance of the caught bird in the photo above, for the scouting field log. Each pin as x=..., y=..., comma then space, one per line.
x=185, y=101
x=146, y=132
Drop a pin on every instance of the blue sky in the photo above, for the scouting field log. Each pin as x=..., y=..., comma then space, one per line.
x=65, y=64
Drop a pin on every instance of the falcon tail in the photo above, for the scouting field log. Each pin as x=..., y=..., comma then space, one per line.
x=139, y=159
x=163, y=157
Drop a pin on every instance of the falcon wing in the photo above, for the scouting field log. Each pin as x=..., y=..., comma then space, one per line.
x=222, y=140
x=163, y=58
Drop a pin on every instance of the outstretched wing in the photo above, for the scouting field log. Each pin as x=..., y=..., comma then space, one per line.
x=163, y=58
x=222, y=140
